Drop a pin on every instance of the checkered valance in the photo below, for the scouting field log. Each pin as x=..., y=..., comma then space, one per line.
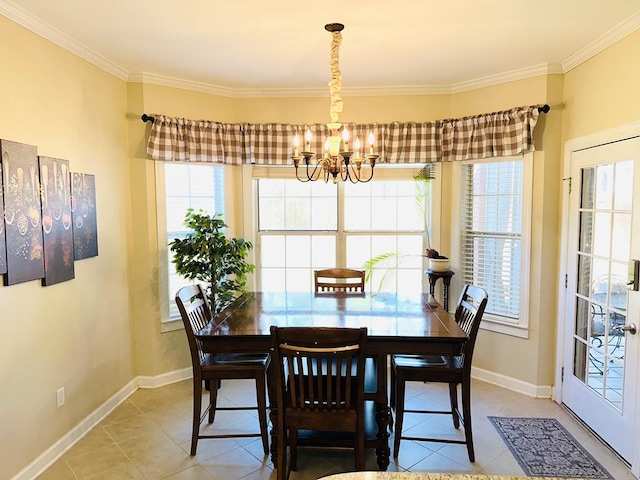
x=489, y=135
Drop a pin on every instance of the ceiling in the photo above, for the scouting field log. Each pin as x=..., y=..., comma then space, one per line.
x=253, y=47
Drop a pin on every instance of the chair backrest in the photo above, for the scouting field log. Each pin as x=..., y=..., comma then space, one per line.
x=339, y=280
x=469, y=311
x=319, y=370
x=196, y=314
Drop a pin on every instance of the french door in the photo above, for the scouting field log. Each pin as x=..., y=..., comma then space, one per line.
x=602, y=309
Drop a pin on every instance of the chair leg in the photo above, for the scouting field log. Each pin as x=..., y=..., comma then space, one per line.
x=213, y=402
x=466, y=417
x=261, y=392
x=400, y=390
x=197, y=408
x=281, y=467
x=392, y=395
x=359, y=451
x=293, y=448
x=453, y=397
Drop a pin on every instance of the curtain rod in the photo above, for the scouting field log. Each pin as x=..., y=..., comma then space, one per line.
x=148, y=118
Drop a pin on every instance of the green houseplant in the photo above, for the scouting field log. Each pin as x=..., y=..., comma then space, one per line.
x=207, y=255
x=389, y=260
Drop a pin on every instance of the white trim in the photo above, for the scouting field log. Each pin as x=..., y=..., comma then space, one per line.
x=520, y=329
x=618, y=32
x=31, y=22
x=69, y=439
x=620, y=133
x=513, y=384
x=37, y=26
x=164, y=378
x=73, y=436
x=506, y=77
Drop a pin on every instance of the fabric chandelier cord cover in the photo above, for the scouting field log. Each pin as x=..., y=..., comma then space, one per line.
x=495, y=134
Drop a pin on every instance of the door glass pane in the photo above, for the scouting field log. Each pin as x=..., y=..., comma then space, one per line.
x=588, y=185
x=623, y=185
x=584, y=275
x=586, y=232
x=583, y=317
x=602, y=234
x=604, y=186
x=579, y=359
x=621, y=236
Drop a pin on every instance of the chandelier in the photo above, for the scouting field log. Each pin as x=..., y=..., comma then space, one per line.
x=337, y=162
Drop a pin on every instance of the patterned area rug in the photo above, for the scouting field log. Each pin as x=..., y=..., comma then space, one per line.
x=544, y=448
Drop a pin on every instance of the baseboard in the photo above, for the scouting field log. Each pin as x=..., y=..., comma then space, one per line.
x=55, y=451
x=510, y=383
x=49, y=456
x=165, y=378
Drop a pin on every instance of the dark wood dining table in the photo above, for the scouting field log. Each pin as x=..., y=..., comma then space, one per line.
x=395, y=324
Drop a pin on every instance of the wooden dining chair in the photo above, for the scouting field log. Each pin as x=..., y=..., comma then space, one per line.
x=319, y=387
x=214, y=367
x=443, y=369
x=339, y=280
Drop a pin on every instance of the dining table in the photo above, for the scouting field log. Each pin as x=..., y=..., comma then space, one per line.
x=396, y=323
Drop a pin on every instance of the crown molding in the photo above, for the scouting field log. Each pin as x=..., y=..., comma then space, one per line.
x=28, y=21
x=617, y=33
x=506, y=77
x=36, y=25
x=164, y=81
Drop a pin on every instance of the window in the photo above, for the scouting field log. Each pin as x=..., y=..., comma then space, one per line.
x=179, y=187
x=306, y=226
x=494, y=224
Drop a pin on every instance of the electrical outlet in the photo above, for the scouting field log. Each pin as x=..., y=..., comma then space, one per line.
x=60, y=397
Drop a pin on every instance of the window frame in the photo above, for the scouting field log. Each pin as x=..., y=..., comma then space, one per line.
x=168, y=323
x=492, y=322
x=252, y=173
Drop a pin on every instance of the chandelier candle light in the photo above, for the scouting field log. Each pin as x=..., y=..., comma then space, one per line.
x=336, y=164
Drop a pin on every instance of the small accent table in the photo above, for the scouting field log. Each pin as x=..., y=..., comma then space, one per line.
x=446, y=280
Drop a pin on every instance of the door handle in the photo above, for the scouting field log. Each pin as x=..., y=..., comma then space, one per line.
x=631, y=328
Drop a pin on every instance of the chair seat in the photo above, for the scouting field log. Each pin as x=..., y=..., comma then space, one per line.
x=432, y=362
x=236, y=359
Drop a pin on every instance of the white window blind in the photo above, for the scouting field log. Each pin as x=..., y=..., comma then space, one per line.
x=187, y=186
x=492, y=233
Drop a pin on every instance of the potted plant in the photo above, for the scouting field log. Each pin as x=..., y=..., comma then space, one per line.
x=436, y=262
x=207, y=255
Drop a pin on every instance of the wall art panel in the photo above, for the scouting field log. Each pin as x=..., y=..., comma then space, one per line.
x=83, y=206
x=3, y=246
x=56, y=221
x=22, y=213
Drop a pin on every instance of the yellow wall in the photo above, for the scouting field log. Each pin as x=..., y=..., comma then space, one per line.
x=98, y=332
x=76, y=334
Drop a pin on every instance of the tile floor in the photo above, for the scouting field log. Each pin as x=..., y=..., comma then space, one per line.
x=148, y=437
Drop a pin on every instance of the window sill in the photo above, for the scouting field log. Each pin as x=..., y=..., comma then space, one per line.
x=171, y=325
x=497, y=326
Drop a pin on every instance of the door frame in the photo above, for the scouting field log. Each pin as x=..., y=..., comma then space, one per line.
x=620, y=133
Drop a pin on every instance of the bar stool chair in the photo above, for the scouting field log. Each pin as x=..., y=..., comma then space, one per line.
x=443, y=369
x=214, y=367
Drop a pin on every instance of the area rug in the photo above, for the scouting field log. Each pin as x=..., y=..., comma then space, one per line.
x=544, y=448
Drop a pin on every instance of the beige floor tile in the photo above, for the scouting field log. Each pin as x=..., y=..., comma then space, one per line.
x=94, y=439
x=60, y=470
x=192, y=473
x=133, y=427
x=153, y=431
x=162, y=463
x=145, y=444
x=122, y=471
x=122, y=412
x=232, y=465
x=97, y=461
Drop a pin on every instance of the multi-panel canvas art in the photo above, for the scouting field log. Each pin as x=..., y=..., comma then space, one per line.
x=22, y=213
x=47, y=216
x=3, y=246
x=83, y=206
x=56, y=220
